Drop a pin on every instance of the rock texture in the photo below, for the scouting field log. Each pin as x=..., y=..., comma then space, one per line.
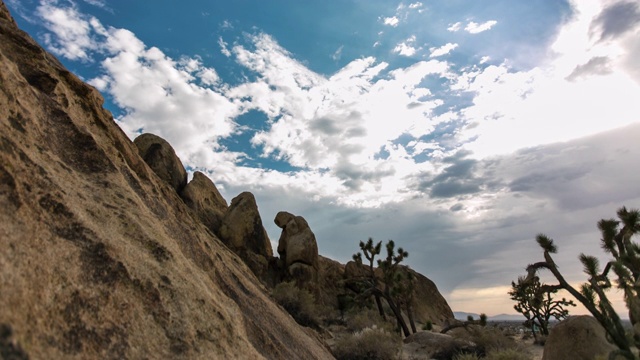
x=579, y=338
x=429, y=304
x=202, y=196
x=99, y=257
x=298, y=250
x=162, y=159
x=297, y=242
x=242, y=228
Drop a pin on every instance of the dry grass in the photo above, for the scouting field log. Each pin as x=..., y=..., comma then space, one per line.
x=298, y=302
x=369, y=344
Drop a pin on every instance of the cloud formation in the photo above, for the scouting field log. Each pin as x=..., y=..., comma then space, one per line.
x=443, y=50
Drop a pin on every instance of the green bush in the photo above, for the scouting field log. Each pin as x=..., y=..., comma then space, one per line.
x=428, y=326
x=368, y=344
x=298, y=302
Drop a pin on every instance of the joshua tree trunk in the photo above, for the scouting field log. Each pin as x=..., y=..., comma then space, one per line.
x=380, y=309
x=411, y=321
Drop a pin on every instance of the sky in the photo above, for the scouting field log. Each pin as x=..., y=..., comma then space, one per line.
x=459, y=129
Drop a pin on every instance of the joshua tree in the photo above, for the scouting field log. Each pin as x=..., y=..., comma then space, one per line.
x=371, y=281
x=404, y=291
x=536, y=305
x=625, y=264
x=386, y=285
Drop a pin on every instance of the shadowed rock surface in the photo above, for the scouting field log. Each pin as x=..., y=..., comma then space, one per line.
x=202, y=196
x=100, y=258
x=162, y=159
x=428, y=305
x=579, y=338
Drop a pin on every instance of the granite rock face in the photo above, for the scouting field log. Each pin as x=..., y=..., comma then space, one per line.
x=162, y=159
x=204, y=199
x=101, y=258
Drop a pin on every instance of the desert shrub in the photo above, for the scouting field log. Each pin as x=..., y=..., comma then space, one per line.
x=298, y=302
x=368, y=344
x=490, y=340
x=466, y=357
x=428, y=326
x=508, y=354
x=362, y=318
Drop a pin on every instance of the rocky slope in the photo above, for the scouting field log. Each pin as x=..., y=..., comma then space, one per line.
x=100, y=258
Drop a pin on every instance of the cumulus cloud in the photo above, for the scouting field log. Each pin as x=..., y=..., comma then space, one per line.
x=455, y=27
x=616, y=19
x=443, y=50
x=224, y=47
x=407, y=48
x=598, y=65
x=476, y=28
x=391, y=21
x=72, y=33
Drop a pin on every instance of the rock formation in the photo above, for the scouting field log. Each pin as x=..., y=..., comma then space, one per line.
x=429, y=304
x=577, y=337
x=162, y=159
x=242, y=228
x=298, y=248
x=100, y=257
x=203, y=198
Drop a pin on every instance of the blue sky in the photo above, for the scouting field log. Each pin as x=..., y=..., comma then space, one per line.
x=460, y=129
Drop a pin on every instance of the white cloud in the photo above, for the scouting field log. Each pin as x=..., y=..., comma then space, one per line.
x=71, y=31
x=406, y=48
x=391, y=21
x=415, y=5
x=223, y=47
x=455, y=27
x=443, y=50
x=475, y=28
x=338, y=53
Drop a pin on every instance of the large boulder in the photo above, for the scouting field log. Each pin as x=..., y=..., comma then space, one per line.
x=162, y=159
x=579, y=338
x=297, y=242
x=428, y=303
x=330, y=281
x=242, y=228
x=202, y=196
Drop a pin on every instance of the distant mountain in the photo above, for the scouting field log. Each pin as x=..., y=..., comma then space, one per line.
x=461, y=315
x=507, y=317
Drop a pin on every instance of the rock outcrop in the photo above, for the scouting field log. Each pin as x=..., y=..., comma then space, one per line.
x=204, y=199
x=298, y=249
x=242, y=228
x=577, y=337
x=162, y=159
x=100, y=257
x=428, y=305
